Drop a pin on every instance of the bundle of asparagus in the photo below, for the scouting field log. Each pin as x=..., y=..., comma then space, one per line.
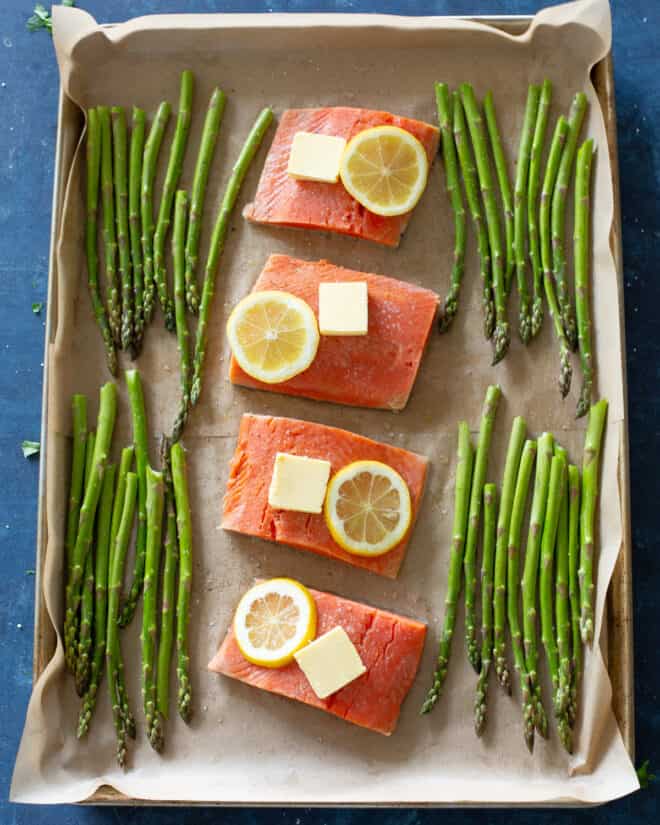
x=533, y=217
x=557, y=576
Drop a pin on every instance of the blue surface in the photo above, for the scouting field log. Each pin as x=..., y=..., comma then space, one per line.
x=28, y=99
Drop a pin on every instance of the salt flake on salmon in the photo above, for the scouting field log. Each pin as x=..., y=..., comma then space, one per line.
x=246, y=509
x=373, y=370
x=390, y=647
x=284, y=201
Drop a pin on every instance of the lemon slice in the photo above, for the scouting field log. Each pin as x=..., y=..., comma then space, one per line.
x=385, y=169
x=367, y=508
x=273, y=620
x=273, y=335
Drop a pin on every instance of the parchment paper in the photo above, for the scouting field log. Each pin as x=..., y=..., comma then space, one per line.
x=245, y=746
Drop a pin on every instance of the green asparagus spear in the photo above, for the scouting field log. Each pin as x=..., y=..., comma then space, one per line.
x=470, y=559
x=501, y=335
x=556, y=492
x=581, y=239
x=113, y=294
x=197, y=194
x=120, y=168
x=91, y=229
x=520, y=211
x=155, y=501
x=178, y=251
x=453, y=186
x=166, y=638
x=574, y=587
x=113, y=649
x=469, y=173
x=513, y=589
x=533, y=188
x=559, y=196
x=465, y=458
x=549, y=179
x=511, y=465
x=79, y=408
x=135, y=222
x=172, y=176
x=487, y=563
x=101, y=599
x=184, y=529
x=590, y=461
x=505, y=186
x=220, y=229
x=105, y=426
x=531, y=573
x=562, y=619
x=141, y=442
x=87, y=598
x=149, y=164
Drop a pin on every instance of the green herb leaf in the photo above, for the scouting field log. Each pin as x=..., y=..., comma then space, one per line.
x=645, y=778
x=30, y=448
x=37, y=307
x=30, y=572
x=41, y=18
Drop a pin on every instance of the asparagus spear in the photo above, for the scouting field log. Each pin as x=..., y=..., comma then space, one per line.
x=149, y=163
x=559, y=196
x=505, y=186
x=487, y=562
x=134, y=220
x=113, y=649
x=172, y=176
x=520, y=211
x=113, y=294
x=511, y=465
x=469, y=173
x=141, y=442
x=220, y=229
x=513, y=589
x=453, y=186
x=501, y=335
x=552, y=166
x=120, y=167
x=87, y=597
x=155, y=500
x=531, y=573
x=184, y=529
x=573, y=587
x=166, y=638
x=581, y=240
x=562, y=618
x=465, y=458
x=556, y=492
x=197, y=193
x=470, y=560
x=533, y=187
x=178, y=241
x=105, y=426
x=590, y=461
x=101, y=599
x=93, y=152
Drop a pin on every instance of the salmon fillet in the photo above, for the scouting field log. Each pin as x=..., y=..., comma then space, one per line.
x=390, y=647
x=285, y=201
x=246, y=509
x=373, y=370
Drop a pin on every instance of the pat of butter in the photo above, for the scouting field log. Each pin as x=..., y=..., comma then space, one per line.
x=298, y=483
x=315, y=157
x=330, y=662
x=343, y=308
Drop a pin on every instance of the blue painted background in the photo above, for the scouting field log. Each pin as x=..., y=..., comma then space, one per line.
x=28, y=99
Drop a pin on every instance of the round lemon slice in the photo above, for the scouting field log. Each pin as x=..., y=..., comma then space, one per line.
x=273, y=620
x=367, y=508
x=385, y=169
x=273, y=335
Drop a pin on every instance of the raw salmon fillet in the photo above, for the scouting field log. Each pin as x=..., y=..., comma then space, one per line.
x=390, y=647
x=373, y=370
x=285, y=201
x=246, y=509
